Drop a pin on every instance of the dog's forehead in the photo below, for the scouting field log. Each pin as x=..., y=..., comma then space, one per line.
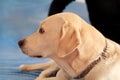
x=51, y=25
x=52, y=22
x=58, y=20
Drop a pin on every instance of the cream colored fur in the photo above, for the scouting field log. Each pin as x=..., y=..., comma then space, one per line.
x=73, y=44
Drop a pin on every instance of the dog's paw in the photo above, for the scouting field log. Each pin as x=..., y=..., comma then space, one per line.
x=22, y=68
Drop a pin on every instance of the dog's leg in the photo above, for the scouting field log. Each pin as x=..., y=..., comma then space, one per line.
x=42, y=66
x=47, y=73
x=61, y=75
x=48, y=69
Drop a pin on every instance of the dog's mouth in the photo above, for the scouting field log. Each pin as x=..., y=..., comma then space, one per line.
x=26, y=51
x=35, y=56
x=38, y=56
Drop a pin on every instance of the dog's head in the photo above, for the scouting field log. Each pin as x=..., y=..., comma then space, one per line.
x=58, y=35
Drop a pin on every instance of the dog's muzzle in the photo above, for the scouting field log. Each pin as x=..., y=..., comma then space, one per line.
x=21, y=44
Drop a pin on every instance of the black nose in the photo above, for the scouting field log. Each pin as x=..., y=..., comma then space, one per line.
x=21, y=43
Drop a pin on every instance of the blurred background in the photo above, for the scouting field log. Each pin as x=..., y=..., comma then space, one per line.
x=18, y=19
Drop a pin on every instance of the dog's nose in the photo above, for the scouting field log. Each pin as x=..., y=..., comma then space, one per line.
x=21, y=43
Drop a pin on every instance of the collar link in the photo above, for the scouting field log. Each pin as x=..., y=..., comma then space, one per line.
x=94, y=63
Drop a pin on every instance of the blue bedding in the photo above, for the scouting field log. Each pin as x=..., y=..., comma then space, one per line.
x=11, y=72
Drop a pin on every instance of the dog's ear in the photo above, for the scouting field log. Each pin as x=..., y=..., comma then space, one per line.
x=69, y=39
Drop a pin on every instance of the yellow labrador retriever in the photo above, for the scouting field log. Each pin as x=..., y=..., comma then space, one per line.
x=78, y=50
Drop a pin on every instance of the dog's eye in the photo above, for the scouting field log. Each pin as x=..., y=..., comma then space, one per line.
x=41, y=30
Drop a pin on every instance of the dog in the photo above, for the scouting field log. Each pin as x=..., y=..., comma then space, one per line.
x=77, y=49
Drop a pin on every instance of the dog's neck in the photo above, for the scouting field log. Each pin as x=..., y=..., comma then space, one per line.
x=69, y=63
x=93, y=64
x=65, y=63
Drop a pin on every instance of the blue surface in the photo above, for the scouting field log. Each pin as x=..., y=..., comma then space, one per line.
x=18, y=19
